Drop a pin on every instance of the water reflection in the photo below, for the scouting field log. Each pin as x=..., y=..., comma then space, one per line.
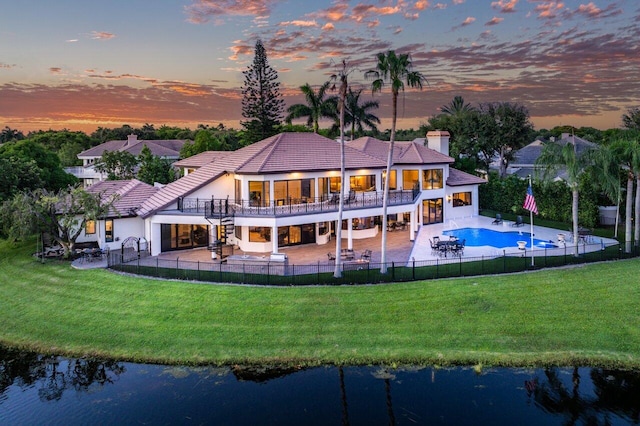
x=37, y=389
x=614, y=392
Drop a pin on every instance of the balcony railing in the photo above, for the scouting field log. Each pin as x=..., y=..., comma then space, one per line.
x=217, y=208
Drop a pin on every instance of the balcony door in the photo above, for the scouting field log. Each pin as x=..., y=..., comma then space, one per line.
x=432, y=211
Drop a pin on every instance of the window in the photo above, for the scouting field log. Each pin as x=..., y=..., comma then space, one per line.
x=392, y=181
x=258, y=193
x=174, y=236
x=432, y=211
x=410, y=180
x=328, y=186
x=259, y=234
x=90, y=227
x=432, y=179
x=293, y=191
x=362, y=183
x=238, y=190
x=108, y=230
x=461, y=199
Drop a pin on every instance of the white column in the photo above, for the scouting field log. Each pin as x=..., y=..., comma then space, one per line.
x=412, y=225
x=274, y=238
x=350, y=234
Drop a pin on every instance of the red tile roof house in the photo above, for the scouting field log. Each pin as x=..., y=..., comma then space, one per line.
x=283, y=191
x=168, y=149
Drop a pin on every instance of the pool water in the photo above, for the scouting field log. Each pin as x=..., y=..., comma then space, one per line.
x=476, y=237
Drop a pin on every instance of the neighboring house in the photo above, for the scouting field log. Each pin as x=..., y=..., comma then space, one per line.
x=284, y=191
x=122, y=221
x=168, y=149
x=524, y=161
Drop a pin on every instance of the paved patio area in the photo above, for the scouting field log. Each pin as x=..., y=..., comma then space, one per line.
x=400, y=249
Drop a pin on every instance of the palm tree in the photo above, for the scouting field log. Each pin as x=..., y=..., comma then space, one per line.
x=556, y=156
x=456, y=107
x=607, y=170
x=627, y=150
x=395, y=70
x=342, y=76
x=317, y=106
x=358, y=114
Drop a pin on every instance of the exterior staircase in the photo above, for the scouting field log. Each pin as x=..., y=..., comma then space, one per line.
x=222, y=247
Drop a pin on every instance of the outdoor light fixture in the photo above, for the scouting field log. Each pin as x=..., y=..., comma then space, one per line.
x=449, y=198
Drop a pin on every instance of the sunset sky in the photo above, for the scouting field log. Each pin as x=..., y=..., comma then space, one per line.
x=82, y=64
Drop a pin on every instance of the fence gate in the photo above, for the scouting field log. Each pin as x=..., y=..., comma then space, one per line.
x=130, y=249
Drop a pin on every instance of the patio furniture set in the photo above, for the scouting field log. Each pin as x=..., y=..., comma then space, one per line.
x=349, y=255
x=445, y=247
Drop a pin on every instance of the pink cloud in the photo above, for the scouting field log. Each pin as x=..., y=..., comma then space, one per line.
x=421, y=5
x=201, y=11
x=494, y=21
x=299, y=23
x=549, y=9
x=102, y=35
x=470, y=20
x=505, y=6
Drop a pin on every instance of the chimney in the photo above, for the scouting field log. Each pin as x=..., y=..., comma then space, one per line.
x=438, y=140
x=131, y=140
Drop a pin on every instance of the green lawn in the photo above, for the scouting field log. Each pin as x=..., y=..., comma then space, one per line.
x=586, y=315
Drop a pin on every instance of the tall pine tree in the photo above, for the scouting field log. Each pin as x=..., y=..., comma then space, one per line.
x=262, y=103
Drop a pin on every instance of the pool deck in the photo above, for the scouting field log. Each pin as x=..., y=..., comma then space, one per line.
x=399, y=247
x=422, y=247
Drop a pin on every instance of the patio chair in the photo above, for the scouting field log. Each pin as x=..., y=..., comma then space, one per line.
x=497, y=220
x=366, y=255
x=331, y=256
x=351, y=198
x=434, y=247
x=518, y=222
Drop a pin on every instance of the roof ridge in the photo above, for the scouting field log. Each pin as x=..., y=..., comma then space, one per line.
x=270, y=149
x=269, y=142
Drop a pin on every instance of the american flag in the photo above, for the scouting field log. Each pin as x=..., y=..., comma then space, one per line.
x=530, y=201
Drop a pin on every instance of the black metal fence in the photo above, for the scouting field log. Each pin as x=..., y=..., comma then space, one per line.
x=217, y=208
x=282, y=274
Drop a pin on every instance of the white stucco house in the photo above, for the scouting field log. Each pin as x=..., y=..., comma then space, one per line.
x=284, y=191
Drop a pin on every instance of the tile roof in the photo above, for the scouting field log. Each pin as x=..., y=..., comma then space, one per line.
x=130, y=195
x=459, y=178
x=414, y=152
x=289, y=152
x=201, y=159
x=168, y=148
x=181, y=187
x=300, y=152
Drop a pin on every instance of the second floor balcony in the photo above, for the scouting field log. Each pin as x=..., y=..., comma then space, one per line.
x=218, y=208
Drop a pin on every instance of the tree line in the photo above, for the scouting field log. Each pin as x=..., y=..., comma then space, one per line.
x=479, y=135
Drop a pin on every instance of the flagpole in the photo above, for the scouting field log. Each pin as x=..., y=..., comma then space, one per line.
x=531, y=222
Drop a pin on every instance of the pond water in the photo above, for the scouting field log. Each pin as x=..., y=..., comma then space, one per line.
x=36, y=389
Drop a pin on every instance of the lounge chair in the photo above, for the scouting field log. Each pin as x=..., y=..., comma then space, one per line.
x=497, y=220
x=518, y=222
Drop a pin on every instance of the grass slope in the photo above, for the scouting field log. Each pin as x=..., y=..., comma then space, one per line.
x=585, y=315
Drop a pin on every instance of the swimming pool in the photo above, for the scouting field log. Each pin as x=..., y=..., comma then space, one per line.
x=488, y=237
